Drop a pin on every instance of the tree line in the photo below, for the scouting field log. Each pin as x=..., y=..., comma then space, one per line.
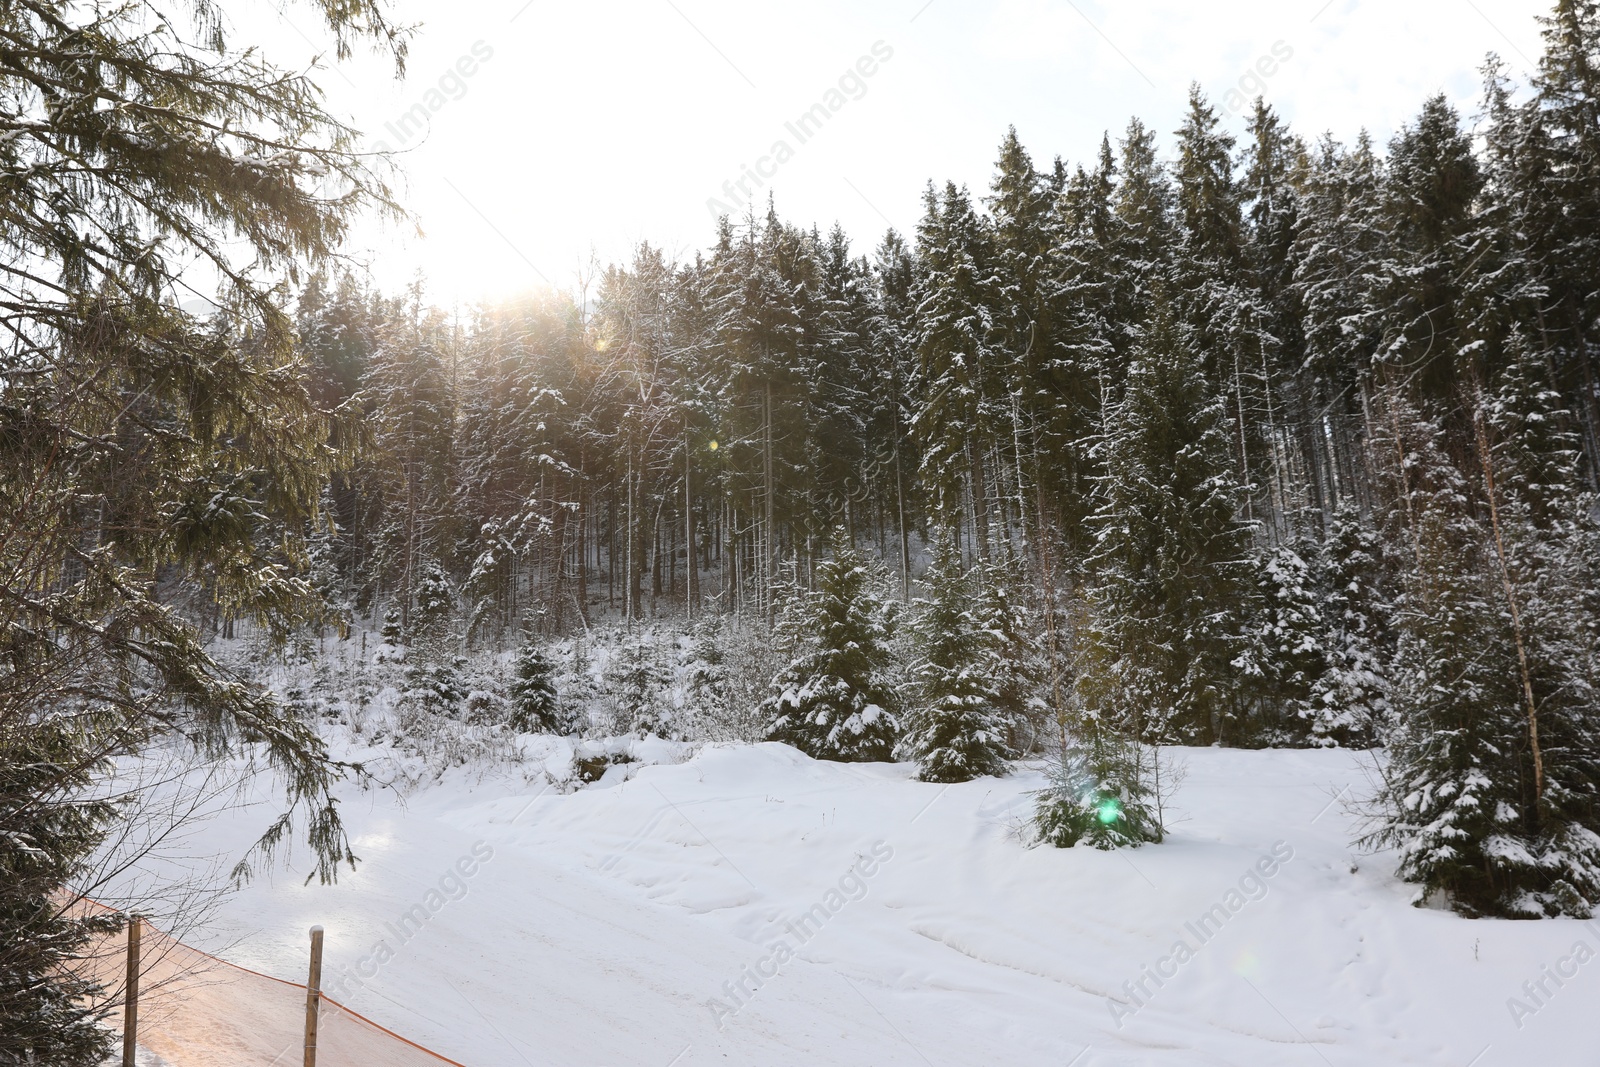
x=1278, y=441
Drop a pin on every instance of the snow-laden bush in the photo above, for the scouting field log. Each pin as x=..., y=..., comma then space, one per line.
x=1102, y=793
x=533, y=702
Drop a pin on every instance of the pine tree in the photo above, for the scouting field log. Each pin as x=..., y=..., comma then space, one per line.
x=954, y=730
x=831, y=700
x=535, y=704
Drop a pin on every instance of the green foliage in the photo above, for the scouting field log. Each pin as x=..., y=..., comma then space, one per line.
x=436, y=690
x=1001, y=611
x=954, y=730
x=831, y=701
x=535, y=704
x=43, y=839
x=1098, y=794
x=1496, y=818
x=636, y=679
x=1170, y=592
x=141, y=446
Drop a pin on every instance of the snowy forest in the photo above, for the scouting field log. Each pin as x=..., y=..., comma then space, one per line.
x=1288, y=442
x=1284, y=441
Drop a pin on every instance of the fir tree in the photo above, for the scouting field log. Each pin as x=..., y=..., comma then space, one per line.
x=1171, y=593
x=831, y=700
x=1284, y=651
x=1000, y=608
x=954, y=731
x=637, y=679
x=1099, y=793
x=1349, y=702
x=959, y=359
x=535, y=704
x=435, y=691
x=1492, y=666
x=143, y=149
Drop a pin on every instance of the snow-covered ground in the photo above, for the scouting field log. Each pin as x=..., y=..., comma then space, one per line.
x=748, y=905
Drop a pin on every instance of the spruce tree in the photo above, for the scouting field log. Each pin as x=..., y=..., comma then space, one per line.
x=832, y=701
x=954, y=729
x=434, y=691
x=535, y=704
x=1492, y=780
x=145, y=448
x=1171, y=592
x=1284, y=655
x=1001, y=609
x=637, y=679
x=1100, y=792
x=1349, y=701
x=960, y=358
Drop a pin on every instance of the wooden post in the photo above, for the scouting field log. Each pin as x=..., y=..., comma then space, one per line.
x=130, y=1005
x=313, y=996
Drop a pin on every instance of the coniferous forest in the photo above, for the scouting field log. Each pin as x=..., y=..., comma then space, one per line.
x=1286, y=440
x=1280, y=441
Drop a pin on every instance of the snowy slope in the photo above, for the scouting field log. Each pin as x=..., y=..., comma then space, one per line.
x=615, y=925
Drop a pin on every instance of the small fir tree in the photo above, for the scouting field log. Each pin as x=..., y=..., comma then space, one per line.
x=831, y=701
x=1002, y=615
x=535, y=704
x=1284, y=654
x=637, y=678
x=955, y=730
x=392, y=632
x=1349, y=703
x=435, y=603
x=1100, y=792
x=437, y=690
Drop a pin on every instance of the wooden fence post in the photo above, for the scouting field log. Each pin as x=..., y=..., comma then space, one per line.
x=130, y=1006
x=313, y=996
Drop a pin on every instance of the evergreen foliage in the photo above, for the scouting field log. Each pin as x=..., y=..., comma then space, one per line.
x=1100, y=794
x=535, y=703
x=1349, y=701
x=954, y=730
x=143, y=446
x=437, y=690
x=1171, y=592
x=637, y=680
x=831, y=700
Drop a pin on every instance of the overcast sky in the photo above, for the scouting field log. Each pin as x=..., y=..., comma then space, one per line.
x=586, y=127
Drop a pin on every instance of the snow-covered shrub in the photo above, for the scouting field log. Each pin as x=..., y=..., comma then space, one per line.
x=534, y=705
x=1100, y=793
x=727, y=667
x=637, y=680
x=435, y=691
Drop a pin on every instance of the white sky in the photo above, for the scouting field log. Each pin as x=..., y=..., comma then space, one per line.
x=598, y=124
